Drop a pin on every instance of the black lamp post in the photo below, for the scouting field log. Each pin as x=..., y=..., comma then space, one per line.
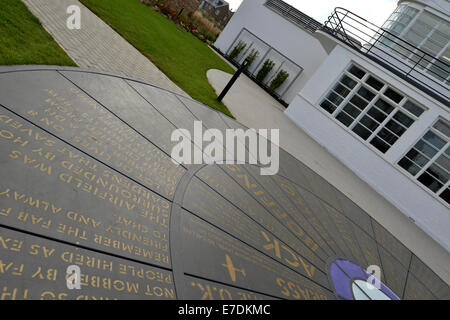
x=233, y=80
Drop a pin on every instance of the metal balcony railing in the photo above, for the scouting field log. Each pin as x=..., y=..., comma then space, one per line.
x=417, y=67
x=292, y=14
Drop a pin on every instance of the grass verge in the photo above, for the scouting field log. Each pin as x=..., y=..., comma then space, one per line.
x=23, y=40
x=181, y=56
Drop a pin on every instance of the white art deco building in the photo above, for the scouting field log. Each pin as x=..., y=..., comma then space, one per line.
x=376, y=98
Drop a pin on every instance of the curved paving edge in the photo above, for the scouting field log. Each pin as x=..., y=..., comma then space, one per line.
x=193, y=195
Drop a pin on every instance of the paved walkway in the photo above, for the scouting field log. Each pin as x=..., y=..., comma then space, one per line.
x=256, y=109
x=96, y=45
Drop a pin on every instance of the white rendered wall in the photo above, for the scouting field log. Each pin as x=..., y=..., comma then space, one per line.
x=442, y=6
x=439, y=8
x=295, y=43
x=379, y=171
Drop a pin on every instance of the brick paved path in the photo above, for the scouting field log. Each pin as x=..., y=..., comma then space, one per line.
x=96, y=45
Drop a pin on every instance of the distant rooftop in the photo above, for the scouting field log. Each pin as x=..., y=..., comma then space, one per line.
x=217, y=3
x=293, y=15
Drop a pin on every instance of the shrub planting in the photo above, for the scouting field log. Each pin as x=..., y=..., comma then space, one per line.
x=278, y=81
x=265, y=70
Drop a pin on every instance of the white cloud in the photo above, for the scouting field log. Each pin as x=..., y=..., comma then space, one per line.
x=375, y=11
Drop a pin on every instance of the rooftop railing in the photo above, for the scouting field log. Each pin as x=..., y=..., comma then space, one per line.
x=294, y=15
x=409, y=62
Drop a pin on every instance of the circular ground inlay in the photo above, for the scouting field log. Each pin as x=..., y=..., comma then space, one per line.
x=87, y=180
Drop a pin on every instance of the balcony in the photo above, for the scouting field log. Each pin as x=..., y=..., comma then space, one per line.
x=424, y=71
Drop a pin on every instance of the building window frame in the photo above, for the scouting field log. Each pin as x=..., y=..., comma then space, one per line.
x=412, y=57
x=266, y=51
x=432, y=161
x=401, y=11
x=359, y=122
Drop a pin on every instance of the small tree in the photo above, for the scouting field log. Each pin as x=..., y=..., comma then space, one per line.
x=237, y=50
x=265, y=70
x=252, y=57
x=279, y=80
x=247, y=49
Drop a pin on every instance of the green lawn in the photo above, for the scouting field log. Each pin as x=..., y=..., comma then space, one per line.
x=180, y=55
x=23, y=40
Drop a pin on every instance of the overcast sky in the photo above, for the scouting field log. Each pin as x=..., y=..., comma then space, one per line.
x=376, y=11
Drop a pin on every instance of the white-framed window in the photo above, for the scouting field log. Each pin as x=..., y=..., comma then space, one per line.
x=370, y=108
x=428, y=161
x=398, y=21
x=430, y=34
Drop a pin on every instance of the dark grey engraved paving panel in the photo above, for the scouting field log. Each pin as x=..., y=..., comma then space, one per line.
x=168, y=104
x=86, y=178
x=415, y=290
x=210, y=206
x=345, y=229
x=35, y=268
x=273, y=219
x=394, y=274
x=50, y=188
x=312, y=210
x=429, y=279
x=368, y=246
x=321, y=188
x=233, y=124
x=389, y=242
x=301, y=175
x=335, y=224
x=64, y=110
x=355, y=213
x=212, y=254
x=172, y=108
x=290, y=214
x=248, y=182
x=211, y=120
x=119, y=97
x=209, y=117
x=199, y=289
x=294, y=169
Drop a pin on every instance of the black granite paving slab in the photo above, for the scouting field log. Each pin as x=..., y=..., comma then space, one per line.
x=87, y=179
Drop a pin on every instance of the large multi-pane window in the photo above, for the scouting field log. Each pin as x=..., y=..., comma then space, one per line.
x=429, y=160
x=370, y=108
x=398, y=21
x=431, y=35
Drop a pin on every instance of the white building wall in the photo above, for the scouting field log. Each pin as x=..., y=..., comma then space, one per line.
x=295, y=43
x=379, y=171
x=435, y=6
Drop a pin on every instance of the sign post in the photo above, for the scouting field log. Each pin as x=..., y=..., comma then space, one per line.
x=233, y=80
